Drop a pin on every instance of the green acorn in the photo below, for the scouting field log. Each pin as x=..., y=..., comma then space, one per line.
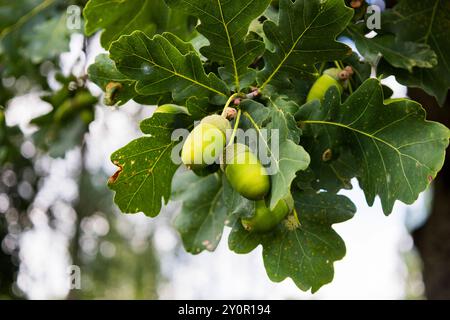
x=265, y=219
x=245, y=173
x=205, y=143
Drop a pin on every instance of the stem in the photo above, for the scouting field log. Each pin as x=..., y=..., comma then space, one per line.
x=296, y=216
x=339, y=64
x=236, y=125
x=322, y=66
x=230, y=100
x=249, y=117
x=26, y=17
x=350, y=87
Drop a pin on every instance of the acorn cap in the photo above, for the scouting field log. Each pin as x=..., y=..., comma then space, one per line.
x=220, y=122
x=333, y=72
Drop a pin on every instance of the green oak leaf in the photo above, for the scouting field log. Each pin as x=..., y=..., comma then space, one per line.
x=104, y=71
x=200, y=108
x=146, y=166
x=291, y=159
x=287, y=109
x=296, y=89
x=304, y=181
x=225, y=23
x=425, y=22
x=158, y=66
x=304, y=36
x=304, y=253
x=203, y=212
x=260, y=114
x=161, y=125
x=124, y=17
x=237, y=205
x=396, y=152
x=241, y=241
x=332, y=162
x=400, y=54
x=285, y=157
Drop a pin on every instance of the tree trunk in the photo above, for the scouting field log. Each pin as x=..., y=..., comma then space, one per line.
x=431, y=239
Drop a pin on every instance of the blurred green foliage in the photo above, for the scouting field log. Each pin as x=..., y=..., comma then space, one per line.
x=33, y=34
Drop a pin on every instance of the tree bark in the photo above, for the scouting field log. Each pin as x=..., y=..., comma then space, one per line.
x=432, y=239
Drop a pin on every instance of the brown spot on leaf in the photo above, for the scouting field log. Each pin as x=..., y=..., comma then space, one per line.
x=327, y=155
x=115, y=176
x=111, y=90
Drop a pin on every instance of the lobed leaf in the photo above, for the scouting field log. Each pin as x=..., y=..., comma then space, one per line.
x=425, y=22
x=305, y=252
x=104, y=71
x=400, y=54
x=396, y=153
x=124, y=17
x=304, y=36
x=225, y=24
x=164, y=64
x=203, y=212
x=146, y=166
x=287, y=160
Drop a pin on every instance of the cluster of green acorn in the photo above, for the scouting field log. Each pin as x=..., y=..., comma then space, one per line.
x=207, y=143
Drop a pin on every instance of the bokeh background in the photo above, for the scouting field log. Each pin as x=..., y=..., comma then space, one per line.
x=56, y=210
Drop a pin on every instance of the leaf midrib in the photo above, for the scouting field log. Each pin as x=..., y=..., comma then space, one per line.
x=379, y=45
x=174, y=72
x=371, y=136
x=147, y=176
x=287, y=55
x=230, y=46
x=211, y=214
